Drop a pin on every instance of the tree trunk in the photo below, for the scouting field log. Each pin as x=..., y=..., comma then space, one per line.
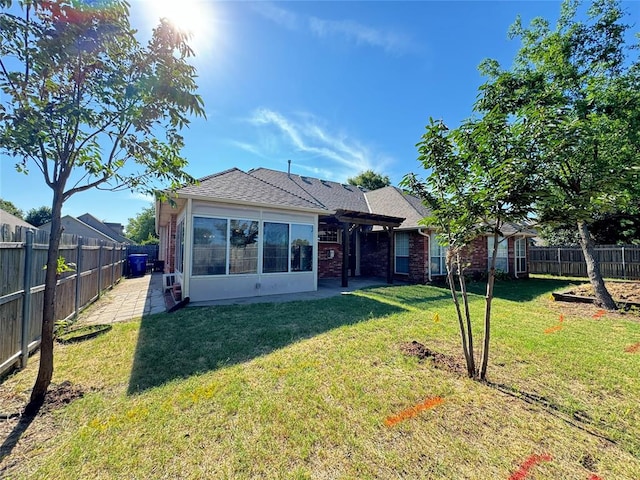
x=603, y=297
x=487, y=309
x=467, y=314
x=468, y=355
x=45, y=371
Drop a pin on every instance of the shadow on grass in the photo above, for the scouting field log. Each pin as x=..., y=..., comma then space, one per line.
x=12, y=439
x=200, y=339
x=523, y=290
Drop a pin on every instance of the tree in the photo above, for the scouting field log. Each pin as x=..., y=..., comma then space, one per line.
x=90, y=107
x=9, y=207
x=142, y=228
x=578, y=85
x=370, y=180
x=39, y=216
x=480, y=177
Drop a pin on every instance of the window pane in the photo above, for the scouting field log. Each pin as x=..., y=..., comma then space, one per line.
x=179, y=247
x=276, y=247
x=502, y=262
x=301, y=248
x=243, y=246
x=209, y=246
x=402, y=252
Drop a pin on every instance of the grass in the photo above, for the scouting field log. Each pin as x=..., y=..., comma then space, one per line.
x=302, y=390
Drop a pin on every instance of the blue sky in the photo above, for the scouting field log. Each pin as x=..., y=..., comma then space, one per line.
x=336, y=87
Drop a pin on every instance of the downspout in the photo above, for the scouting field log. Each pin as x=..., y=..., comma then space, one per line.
x=515, y=257
x=421, y=232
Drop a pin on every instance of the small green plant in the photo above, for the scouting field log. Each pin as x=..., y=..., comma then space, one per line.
x=59, y=327
x=63, y=266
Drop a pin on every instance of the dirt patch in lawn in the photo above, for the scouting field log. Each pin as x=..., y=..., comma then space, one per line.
x=620, y=291
x=440, y=360
x=14, y=445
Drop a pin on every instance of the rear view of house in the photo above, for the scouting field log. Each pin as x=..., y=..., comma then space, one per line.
x=262, y=232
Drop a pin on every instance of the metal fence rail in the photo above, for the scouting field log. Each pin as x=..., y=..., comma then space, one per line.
x=23, y=254
x=616, y=261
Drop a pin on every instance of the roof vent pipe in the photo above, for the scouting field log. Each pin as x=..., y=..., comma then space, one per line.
x=289, y=169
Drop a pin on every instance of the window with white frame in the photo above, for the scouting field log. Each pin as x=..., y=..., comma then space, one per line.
x=520, y=247
x=502, y=261
x=287, y=247
x=243, y=246
x=402, y=253
x=209, y=246
x=438, y=256
x=329, y=234
x=179, y=246
x=301, y=248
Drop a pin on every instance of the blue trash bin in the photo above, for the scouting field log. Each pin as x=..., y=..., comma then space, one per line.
x=137, y=264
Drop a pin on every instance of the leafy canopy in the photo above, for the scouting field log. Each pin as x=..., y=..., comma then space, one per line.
x=142, y=228
x=39, y=216
x=370, y=180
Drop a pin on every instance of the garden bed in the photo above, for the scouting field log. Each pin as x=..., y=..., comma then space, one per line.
x=83, y=333
x=625, y=294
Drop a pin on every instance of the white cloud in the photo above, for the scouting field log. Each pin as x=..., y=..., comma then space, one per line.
x=358, y=33
x=313, y=147
x=277, y=14
x=141, y=197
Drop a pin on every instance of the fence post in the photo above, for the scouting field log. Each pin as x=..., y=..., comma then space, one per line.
x=559, y=263
x=624, y=269
x=26, y=299
x=113, y=265
x=78, y=277
x=100, y=268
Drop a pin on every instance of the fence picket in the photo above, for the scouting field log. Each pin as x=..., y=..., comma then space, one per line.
x=22, y=256
x=616, y=261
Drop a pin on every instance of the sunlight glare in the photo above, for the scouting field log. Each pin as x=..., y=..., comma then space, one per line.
x=192, y=16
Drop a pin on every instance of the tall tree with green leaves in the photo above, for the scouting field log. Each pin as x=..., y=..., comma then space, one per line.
x=479, y=178
x=10, y=207
x=38, y=216
x=370, y=180
x=88, y=106
x=142, y=228
x=578, y=85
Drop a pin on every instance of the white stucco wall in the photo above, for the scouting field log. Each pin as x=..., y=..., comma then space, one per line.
x=216, y=287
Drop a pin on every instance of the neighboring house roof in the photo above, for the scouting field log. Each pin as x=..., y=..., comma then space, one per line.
x=13, y=221
x=104, y=228
x=73, y=226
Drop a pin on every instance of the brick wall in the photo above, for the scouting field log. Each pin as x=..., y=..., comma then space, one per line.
x=418, y=259
x=373, y=254
x=329, y=267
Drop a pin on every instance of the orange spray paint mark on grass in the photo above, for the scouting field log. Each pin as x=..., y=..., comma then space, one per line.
x=599, y=313
x=593, y=476
x=553, y=329
x=413, y=411
x=523, y=471
x=633, y=348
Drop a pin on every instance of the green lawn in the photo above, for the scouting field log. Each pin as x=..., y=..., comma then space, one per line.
x=302, y=390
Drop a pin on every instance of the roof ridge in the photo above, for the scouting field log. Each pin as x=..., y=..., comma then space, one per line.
x=208, y=177
x=318, y=202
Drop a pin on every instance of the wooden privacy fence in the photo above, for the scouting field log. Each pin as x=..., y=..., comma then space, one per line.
x=616, y=261
x=23, y=255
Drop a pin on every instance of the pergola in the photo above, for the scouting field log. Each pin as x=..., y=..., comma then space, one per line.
x=350, y=220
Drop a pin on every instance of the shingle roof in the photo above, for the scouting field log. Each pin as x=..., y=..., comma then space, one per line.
x=236, y=185
x=392, y=201
x=332, y=195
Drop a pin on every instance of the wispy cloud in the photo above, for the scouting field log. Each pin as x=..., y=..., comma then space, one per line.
x=315, y=148
x=360, y=34
x=142, y=197
x=389, y=40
